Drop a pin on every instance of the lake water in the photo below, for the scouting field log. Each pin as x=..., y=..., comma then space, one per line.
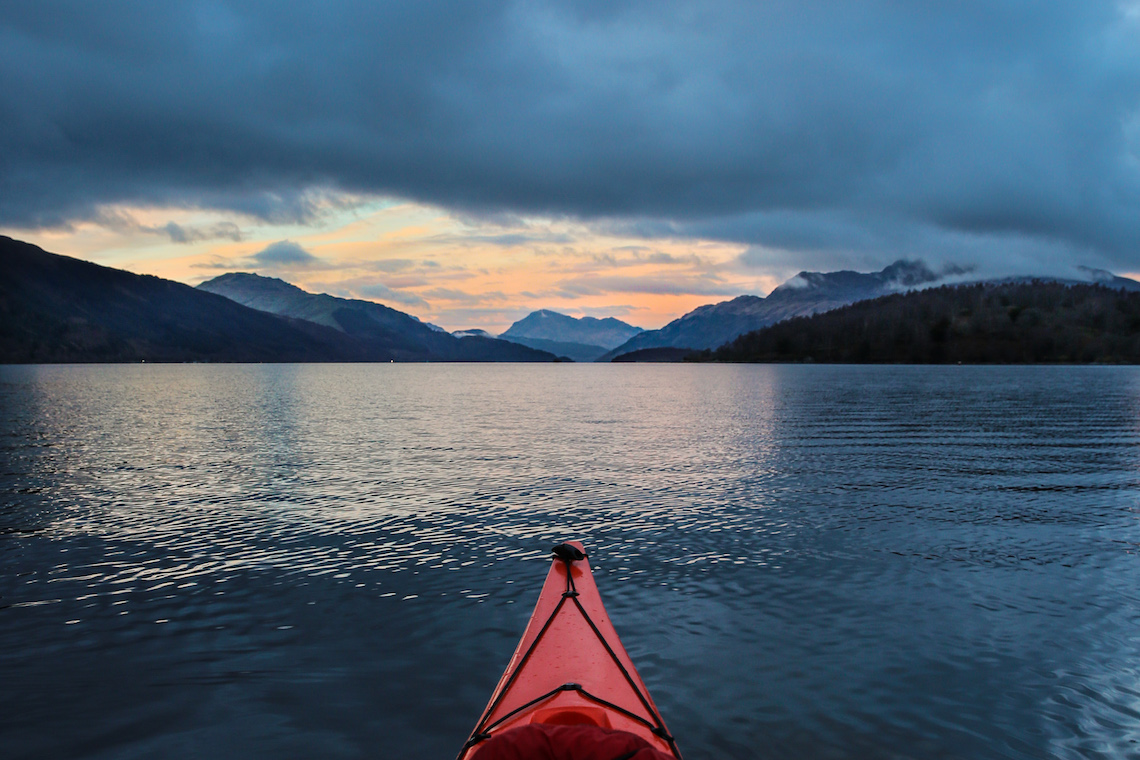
x=336, y=561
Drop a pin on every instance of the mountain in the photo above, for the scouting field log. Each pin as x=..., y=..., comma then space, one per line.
x=401, y=335
x=550, y=325
x=806, y=293
x=404, y=336
x=810, y=293
x=1106, y=278
x=981, y=323
x=59, y=309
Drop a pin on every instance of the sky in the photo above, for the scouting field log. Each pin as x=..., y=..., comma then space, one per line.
x=469, y=162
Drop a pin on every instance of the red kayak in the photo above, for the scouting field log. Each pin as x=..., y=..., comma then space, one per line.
x=570, y=690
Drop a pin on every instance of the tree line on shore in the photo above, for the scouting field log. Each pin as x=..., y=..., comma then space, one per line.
x=986, y=323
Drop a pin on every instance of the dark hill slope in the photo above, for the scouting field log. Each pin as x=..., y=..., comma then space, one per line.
x=59, y=309
x=402, y=335
x=807, y=293
x=995, y=323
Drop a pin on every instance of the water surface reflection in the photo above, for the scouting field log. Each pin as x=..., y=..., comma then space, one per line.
x=336, y=560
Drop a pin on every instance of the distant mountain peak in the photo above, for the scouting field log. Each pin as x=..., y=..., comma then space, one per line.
x=251, y=276
x=403, y=335
x=1097, y=275
x=250, y=279
x=908, y=273
x=549, y=325
x=1104, y=277
x=712, y=325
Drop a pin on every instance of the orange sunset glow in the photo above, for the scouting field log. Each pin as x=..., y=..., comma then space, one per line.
x=457, y=272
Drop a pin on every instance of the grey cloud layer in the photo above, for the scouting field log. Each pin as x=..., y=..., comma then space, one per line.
x=797, y=124
x=285, y=253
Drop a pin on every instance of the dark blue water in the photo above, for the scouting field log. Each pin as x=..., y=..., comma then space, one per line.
x=337, y=561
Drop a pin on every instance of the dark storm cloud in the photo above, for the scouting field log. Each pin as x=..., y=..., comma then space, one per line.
x=121, y=221
x=863, y=129
x=182, y=234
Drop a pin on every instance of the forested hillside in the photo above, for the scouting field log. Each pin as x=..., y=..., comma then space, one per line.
x=994, y=323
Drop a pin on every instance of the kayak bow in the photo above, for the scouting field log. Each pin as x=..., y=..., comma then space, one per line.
x=570, y=668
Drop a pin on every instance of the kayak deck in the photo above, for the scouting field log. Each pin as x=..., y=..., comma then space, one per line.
x=570, y=667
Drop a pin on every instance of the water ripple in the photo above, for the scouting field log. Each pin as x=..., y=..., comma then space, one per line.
x=834, y=562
